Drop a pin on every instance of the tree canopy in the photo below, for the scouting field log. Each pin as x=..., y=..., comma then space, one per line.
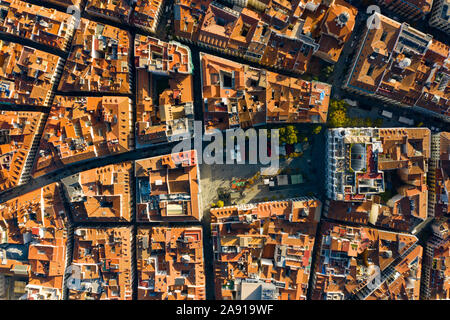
x=288, y=135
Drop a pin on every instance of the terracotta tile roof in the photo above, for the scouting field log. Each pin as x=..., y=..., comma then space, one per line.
x=33, y=241
x=349, y=255
x=17, y=131
x=101, y=194
x=170, y=115
x=146, y=13
x=98, y=60
x=281, y=33
x=66, y=2
x=168, y=187
x=43, y=25
x=264, y=246
x=170, y=264
x=104, y=256
x=237, y=95
x=80, y=128
x=26, y=74
x=111, y=8
x=402, y=64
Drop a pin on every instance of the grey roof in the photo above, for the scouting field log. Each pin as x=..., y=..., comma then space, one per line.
x=358, y=157
x=72, y=186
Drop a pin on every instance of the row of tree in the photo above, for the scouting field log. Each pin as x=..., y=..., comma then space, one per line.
x=338, y=117
x=290, y=134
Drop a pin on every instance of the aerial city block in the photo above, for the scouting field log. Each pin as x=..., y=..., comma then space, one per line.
x=224, y=150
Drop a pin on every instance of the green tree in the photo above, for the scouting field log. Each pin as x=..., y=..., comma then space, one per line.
x=378, y=123
x=282, y=133
x=291, y=129
x=329, y=70
x=288, y=135
x=356, y=122
x=292, y=135
x=337, y=118
x=338, y=105
x=317, y=129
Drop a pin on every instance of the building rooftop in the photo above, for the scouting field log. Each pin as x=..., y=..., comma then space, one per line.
x=33, y=242
x=146, y=14
x=101, y=194
x=282, y=34
x=168, y=187
x=120, y=10
x=440, y=174
x=405, y=66
x=263, y=251
x=26, y=74
x=98, y=60
x=409, y=8
x=141, y=13
x=66, y=2
x=349, y=258
x=103, y=256
x=386, y=167
x=170, y=264
x=80, y=128
x=237, y=95
x=424, y=5
x=44, y=25
x=17, y=132
x=164, y=107
x=444, y=11
x=355, y=212
x=437, y=268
